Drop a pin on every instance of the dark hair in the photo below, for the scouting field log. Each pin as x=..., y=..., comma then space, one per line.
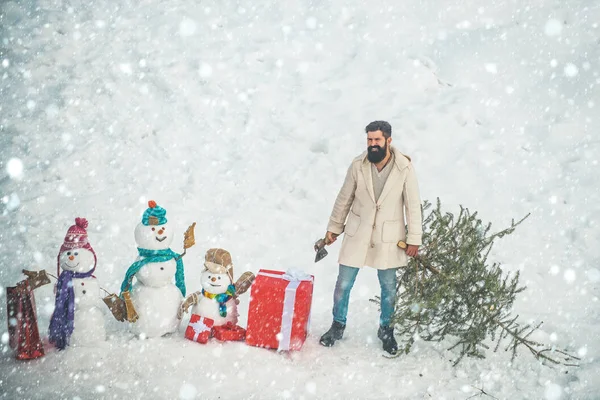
x=382, y=126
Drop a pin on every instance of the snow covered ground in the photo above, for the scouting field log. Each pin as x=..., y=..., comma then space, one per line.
x=243, y=117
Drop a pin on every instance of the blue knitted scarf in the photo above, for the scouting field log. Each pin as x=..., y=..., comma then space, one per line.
x=154, y=256
x=63, y=317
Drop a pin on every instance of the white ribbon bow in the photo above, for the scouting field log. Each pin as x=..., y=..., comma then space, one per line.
x=199, y=327
x=295, y=274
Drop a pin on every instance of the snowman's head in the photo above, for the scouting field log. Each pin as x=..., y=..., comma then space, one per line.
x=153, y=237
x=218, y=273
x=154, y=232
x=79, y=260
x=76, y=253
x=215, y=283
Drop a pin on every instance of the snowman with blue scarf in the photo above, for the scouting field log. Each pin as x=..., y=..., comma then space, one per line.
x=153, y=301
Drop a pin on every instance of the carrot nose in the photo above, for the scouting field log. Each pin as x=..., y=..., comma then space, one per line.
x=160, y=232
x=213, y=279
x=71, y=258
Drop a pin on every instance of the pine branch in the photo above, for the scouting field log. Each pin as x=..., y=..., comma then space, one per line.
x=449, y=290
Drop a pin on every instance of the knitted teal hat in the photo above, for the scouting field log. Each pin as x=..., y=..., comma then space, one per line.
x=154, y=214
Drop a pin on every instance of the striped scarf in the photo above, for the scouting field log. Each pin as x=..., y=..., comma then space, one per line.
x=221, y=298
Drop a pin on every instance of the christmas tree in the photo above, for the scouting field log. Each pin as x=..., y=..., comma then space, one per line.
x=450, y=291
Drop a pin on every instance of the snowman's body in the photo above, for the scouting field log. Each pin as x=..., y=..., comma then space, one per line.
x=88, y=319
x=88, y=328
x=155, y=297
x=209, y=308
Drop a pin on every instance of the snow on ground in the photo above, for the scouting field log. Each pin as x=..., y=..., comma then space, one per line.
x=243, y=117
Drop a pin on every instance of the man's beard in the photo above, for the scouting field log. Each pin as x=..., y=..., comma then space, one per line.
x=376, y=156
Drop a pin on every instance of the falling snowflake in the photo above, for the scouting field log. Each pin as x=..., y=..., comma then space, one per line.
x=187, y=27
x=205, y=70
x=553, y=27
x=311, y=23
x=570, y=276
x=571, y=70
x=553, y=392
x=14, y=168
x=187, y=391
x=11, y=202
x=491, y=68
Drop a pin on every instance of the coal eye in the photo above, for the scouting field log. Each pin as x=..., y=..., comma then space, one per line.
x=153, y=229
x=68, y=253
x=76, y=253
x=219, y=278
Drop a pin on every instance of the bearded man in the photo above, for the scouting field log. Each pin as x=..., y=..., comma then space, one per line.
x=378, y=200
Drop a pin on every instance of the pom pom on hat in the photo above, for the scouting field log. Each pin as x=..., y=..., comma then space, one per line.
x=81, y=222
x=154, y=214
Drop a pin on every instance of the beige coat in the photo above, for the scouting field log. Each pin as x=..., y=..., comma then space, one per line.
x=372, y=230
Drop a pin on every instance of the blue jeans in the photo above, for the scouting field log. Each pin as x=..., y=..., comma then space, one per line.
x=343, y=286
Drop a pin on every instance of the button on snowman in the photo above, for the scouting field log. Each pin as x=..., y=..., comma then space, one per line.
x=77, y=318
x=154, y=296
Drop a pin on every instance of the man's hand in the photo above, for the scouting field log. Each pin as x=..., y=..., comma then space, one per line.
x=412, y=250
x=330, y=237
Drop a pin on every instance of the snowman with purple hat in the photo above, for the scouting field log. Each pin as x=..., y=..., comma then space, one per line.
x=153, y=300
x=77, y=318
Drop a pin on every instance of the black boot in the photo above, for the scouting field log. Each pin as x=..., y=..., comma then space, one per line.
x=334, y=333
x=386, y=334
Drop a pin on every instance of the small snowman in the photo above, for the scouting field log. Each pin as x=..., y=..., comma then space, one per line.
x=218, y=298
x=77, y=318
x=153, y=301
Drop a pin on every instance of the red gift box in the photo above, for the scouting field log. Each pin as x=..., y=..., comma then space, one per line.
x=229, y=332
x=23, y=333
x=279, y=310
x=199, y=329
